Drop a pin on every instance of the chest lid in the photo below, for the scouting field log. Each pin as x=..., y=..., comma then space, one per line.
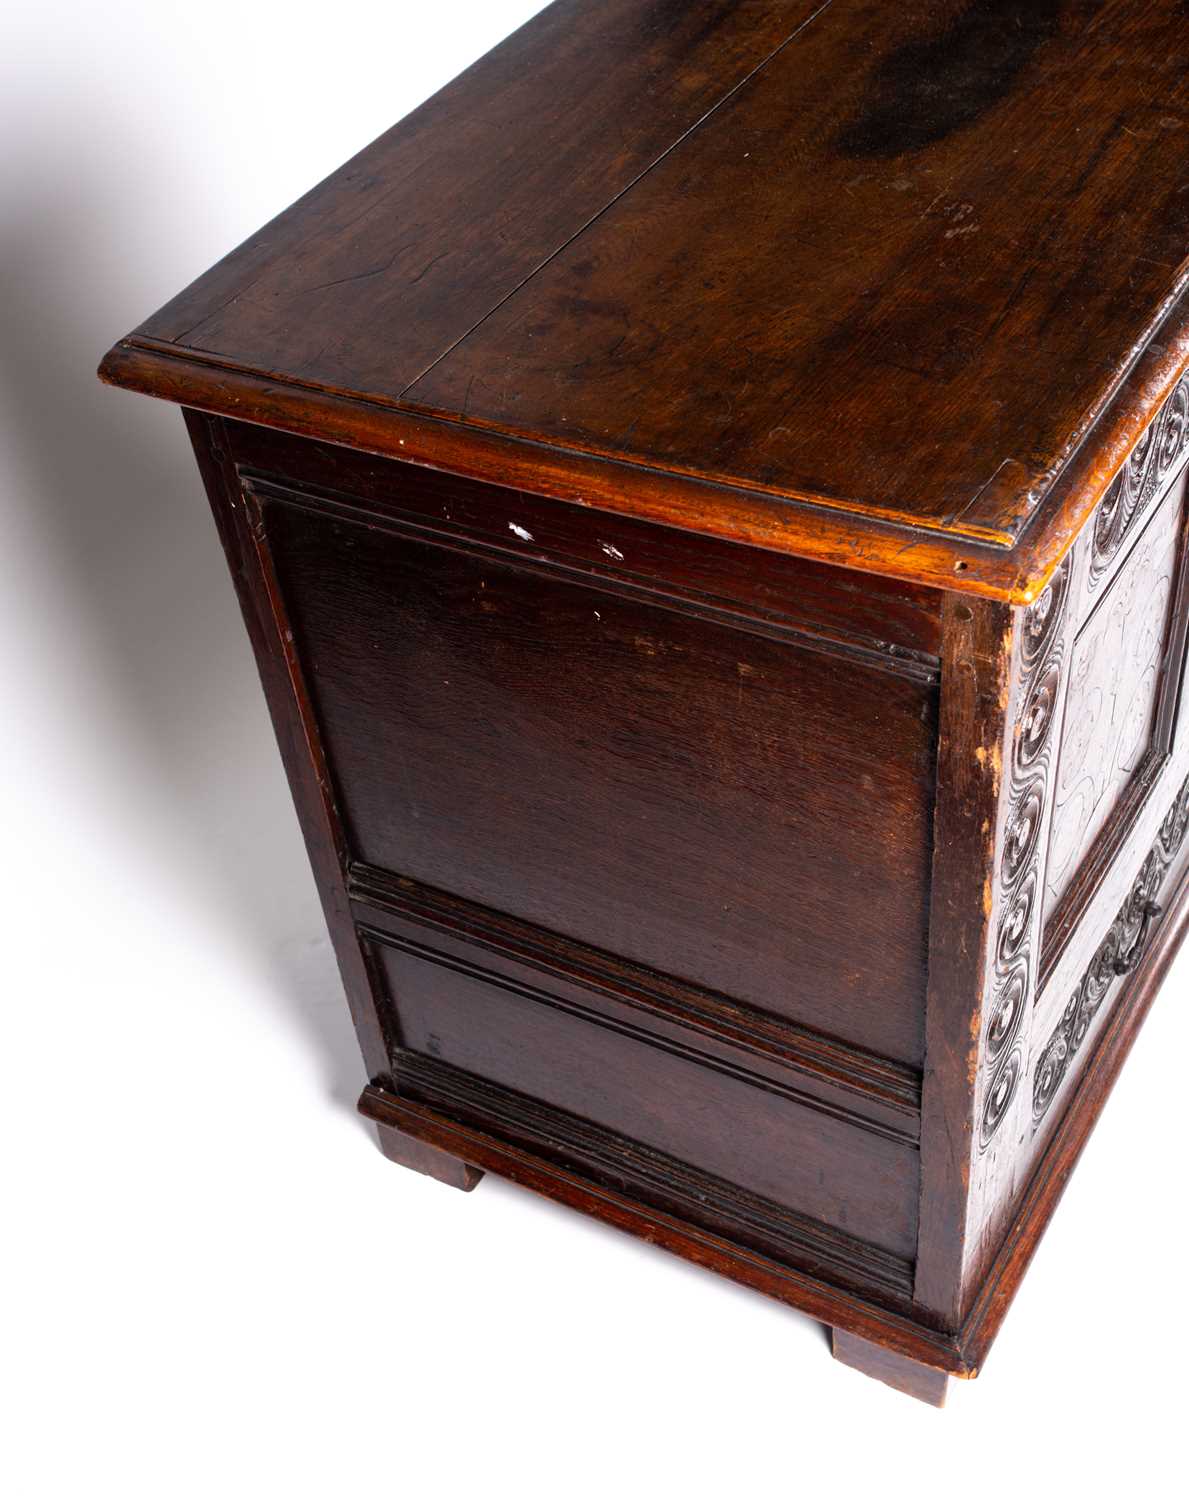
x=892, y=286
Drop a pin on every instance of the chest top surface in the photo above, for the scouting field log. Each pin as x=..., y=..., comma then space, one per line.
x=895, y=286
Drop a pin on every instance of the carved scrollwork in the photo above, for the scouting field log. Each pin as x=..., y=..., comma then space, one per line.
x=1041, y=660
x=1038, y=711
x=1041, y=619
x=1151, y=461
x=1006, y=1013
x=1023, y=830
x=1001, y=1093
x=1015, y=924
x=1176, y=824
x=1174, y=427
x=1118, y=953
x=1050, y=1070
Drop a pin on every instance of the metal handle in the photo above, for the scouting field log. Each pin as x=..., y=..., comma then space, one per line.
x=1126, y=962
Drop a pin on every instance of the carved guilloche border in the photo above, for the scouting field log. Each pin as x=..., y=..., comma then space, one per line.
x=1118, y=954
x=1165, y=441
x=1042, y=660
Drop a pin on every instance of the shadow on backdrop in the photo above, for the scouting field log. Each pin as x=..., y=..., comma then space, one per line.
x=114, y=502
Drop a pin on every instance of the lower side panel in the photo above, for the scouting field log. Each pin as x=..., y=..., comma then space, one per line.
x=819, y=1296
x=658, y=1179
x=509, y=1054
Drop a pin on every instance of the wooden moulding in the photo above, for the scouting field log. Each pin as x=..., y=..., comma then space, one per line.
x=1015, y=574
x=962, y=1354
x=886, y=1092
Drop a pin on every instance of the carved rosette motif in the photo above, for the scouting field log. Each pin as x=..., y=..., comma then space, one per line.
x=1164, y=443
x=1118, y=954
x=1032, y=753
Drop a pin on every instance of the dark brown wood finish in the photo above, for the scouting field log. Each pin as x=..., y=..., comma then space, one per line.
x=883, y=271
x=707, y=497
x=1004, y=692
x=954, y=251
x=891, y=619
x=296, y=730
x=674, y=733
x=667, y=1097
x=974, y=729
x=385, y=266
x=845, y=1080
x=961, y=1353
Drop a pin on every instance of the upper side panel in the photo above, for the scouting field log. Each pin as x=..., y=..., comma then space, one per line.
x=899, y=272
x=372, y=276
x=502, y=721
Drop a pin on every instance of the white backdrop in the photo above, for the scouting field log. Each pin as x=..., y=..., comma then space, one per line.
x=214, y=1285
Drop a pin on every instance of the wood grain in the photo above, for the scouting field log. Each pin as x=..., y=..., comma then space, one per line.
x=408, y=1151
x=884, y=619
x=974, y=728
x=294, y=725
x=383, y=267
x=842, y=1078
x=895, y=264
x=937, y=252
x=669, y=1098
x=506, y=737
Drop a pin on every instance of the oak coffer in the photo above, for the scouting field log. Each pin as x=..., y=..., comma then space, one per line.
x=707, y=495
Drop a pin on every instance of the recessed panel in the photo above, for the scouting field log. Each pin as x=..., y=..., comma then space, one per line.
x=762, y=1139
x=745, y=813
x=1116, y=670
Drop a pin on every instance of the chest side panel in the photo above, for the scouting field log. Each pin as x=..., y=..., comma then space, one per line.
x=736, y=810
x=592, y=1087
x=636, y=831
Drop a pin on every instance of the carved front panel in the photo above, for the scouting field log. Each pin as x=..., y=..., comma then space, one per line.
x=1121, y=795
x=1114, y=681
x=1091, y=762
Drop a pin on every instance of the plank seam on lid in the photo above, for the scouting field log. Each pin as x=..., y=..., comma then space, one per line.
x=496, y=87
x=612, y=201
x=663, y=295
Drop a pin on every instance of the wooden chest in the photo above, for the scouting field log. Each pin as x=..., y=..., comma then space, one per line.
x=707, y=495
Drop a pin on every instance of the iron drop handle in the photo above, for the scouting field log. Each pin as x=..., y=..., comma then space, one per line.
x=1126, y=962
